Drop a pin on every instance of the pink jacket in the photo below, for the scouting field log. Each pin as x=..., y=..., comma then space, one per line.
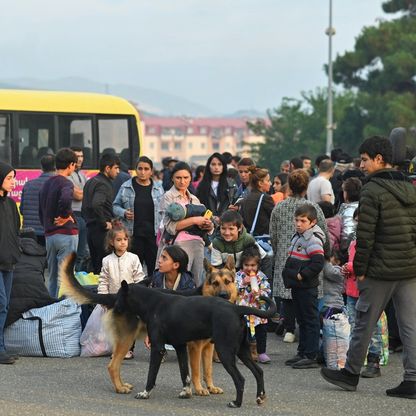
x=351, y=288
x=334, y=225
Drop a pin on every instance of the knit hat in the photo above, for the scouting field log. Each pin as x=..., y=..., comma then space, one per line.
x=175, y=211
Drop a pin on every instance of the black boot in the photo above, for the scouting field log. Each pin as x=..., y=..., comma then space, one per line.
x=406, y=389
x=372, y=369
x=341, y=378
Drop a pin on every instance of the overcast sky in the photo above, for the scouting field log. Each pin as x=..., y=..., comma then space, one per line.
x=225, y=54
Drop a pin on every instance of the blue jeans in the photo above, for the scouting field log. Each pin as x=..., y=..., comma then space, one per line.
x=6, y=280
x=58, y=246
x=305, y=301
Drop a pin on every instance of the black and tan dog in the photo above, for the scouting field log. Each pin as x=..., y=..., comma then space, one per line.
x=176, y=320
x=218, y=282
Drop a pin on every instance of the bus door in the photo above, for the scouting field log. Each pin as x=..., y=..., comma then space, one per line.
x=5, y=138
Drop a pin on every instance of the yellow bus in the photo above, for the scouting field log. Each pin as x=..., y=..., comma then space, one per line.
x=35, y=123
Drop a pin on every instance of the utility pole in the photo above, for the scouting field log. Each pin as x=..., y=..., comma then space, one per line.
x=329, y=122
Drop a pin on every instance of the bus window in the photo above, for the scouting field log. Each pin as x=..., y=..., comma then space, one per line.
x=77, y=131
x=5, y=138
x=36, y=137
x=113, y=134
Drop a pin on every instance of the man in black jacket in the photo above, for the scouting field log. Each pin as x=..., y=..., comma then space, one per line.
x=9, y=249
x=384, y=263
x=97, y=207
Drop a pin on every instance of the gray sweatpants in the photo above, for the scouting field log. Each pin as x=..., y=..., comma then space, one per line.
x=374, y=296
x=195, y=251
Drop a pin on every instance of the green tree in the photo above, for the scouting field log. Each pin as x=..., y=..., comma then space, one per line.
x=382, y=68
x=298, y=127
x=379, y=93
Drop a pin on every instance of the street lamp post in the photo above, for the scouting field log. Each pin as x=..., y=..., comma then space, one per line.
x=330, y=123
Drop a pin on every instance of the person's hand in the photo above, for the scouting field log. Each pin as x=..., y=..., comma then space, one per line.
x=344, y=270
x=299, y=276
x=361, y=278
x=129, y=214
x=233, y=207
x=59, y=221
x=147, y=343
x=247, y=280
x=108, y=225
x=203, y=223
x=207, y=226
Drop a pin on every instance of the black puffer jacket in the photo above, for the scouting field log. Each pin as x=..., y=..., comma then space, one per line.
x=9, y=226
x=386, y=231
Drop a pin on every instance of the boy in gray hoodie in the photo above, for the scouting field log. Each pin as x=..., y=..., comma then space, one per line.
x=301, y=274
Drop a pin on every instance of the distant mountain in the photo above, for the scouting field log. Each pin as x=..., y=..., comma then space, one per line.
x=247, y=114
x=148, y=100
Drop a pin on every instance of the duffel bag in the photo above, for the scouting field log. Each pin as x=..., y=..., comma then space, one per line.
x=51, y=331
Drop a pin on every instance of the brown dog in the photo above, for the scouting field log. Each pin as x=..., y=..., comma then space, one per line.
x=218, y=282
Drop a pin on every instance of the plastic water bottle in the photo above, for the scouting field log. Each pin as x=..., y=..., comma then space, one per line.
x=253, y=282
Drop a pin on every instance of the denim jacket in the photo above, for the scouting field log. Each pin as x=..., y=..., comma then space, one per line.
x=125, y=200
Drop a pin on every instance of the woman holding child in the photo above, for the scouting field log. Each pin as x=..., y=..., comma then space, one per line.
x=193, y=244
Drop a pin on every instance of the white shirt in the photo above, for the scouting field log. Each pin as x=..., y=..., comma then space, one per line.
x=214, y=186
x=318, y=187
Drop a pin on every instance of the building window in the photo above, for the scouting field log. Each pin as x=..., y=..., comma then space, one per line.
x=152, y=145
x=190, y=130
x=165, y=146
x=189, y=145
x=202, y=145
x=151, y=130
x=215, y=146
x=178, y=146
x=203, y=130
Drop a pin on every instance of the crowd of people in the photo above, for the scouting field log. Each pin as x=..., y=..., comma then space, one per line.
x=330, y=241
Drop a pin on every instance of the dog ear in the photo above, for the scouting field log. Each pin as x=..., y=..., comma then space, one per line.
x=207, y=266
x=230, y=263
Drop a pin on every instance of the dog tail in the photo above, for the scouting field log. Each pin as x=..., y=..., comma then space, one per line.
x=72, y=288
x=247, y=310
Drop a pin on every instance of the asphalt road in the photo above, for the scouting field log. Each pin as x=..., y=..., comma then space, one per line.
x=81, y=386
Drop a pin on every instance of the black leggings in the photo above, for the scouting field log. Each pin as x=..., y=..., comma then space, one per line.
x=260, y=338
x=288, y=312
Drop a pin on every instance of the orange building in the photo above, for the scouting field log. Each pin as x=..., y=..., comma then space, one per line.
x=195, y=139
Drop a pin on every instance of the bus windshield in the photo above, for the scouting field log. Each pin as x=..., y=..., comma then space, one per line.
x=36, y=123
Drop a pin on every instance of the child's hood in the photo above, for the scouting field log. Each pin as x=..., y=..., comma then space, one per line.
x=315, y=230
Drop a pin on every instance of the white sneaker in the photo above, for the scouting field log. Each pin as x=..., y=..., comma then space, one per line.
x=289, y=337
x=169, y=347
